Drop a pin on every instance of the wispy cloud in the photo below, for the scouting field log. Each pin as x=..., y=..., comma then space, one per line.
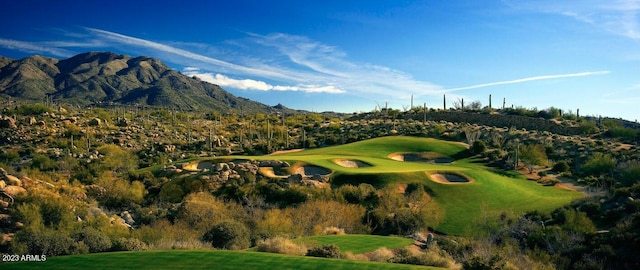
x=274, y=62
x=32, y=47
x=123, y=39
x=310, y=66
x=529, y=79
x=620, y=17
x=249, y=84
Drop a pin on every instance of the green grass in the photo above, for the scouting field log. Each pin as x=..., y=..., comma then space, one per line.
x=358, y=243
x=198, y=259
x=463, y=204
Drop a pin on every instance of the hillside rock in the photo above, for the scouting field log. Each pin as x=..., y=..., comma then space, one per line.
x=8, y=122
x=13, y=191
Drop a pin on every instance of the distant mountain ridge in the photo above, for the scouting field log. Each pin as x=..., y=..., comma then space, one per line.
x=107, y=77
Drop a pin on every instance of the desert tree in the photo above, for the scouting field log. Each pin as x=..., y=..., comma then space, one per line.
x=533, y=155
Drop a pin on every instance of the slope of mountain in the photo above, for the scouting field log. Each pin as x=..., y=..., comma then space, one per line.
x=106, y=77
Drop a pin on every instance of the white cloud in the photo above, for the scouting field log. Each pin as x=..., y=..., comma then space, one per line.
x=248, y=84
x=535, y=78
x=32, y=47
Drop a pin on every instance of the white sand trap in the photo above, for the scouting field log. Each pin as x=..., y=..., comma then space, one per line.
x=431, y=157
x=351, y=163
x=308, y=170
x=450, y=178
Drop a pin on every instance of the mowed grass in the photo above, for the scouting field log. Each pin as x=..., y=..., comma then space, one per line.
x=198, y=259
x=462, y=204
x=358, y=243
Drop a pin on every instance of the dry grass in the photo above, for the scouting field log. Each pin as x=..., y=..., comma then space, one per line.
x=281, y=245
x=190, y=244
x=333, y=231
x=382, y=254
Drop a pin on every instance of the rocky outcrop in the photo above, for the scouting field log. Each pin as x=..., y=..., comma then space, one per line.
x=8, y=122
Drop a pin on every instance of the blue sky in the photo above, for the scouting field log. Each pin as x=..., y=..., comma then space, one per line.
x=351, y=56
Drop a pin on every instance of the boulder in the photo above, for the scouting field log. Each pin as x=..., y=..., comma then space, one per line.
x=126, y=216
x=13, y=190
x=321, y=178
x=220, y=167
x=294, y=178
x=12, y=180
x=8, y=122
x=95, y=122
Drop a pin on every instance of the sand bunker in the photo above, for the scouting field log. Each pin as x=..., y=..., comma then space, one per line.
x=450, y=178
x=198, y=166
x=431, y=157
x=271, y=173
x=308, y=170
x=351, y=163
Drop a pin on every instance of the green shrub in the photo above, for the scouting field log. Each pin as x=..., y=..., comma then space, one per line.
x=478, y=147
x=47, y=242
x=561, y=166
x=325, y=251
x=32, y=109
x=9, y=157
x=128, y=244
x=228, y=234
x=95, y=240
x=483, y=263
x=43, y=162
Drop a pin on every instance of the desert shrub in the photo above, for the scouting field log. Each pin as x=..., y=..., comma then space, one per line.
x=164, y=234
x=9, y=157
x=355, y=257
x=478, y=147
x=599, y=164
x=281, y=245
x=228, y=234
x=95, y=240
x=312, y=217
x=128, y=244
x=120, y=192
x=32, y=109
x=332, y=231
x=482, y=263
x=432, y=257
x=630, y=176
x=325, y=251
x=47, y=242
x=201, y=210
x=116, y=159
x=276, y=223
x=561, y=166
x=42, y=162
x=382, y=254
x=363, y=194
x=171, y=192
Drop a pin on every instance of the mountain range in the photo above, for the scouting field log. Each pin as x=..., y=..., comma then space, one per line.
x=95, y=78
